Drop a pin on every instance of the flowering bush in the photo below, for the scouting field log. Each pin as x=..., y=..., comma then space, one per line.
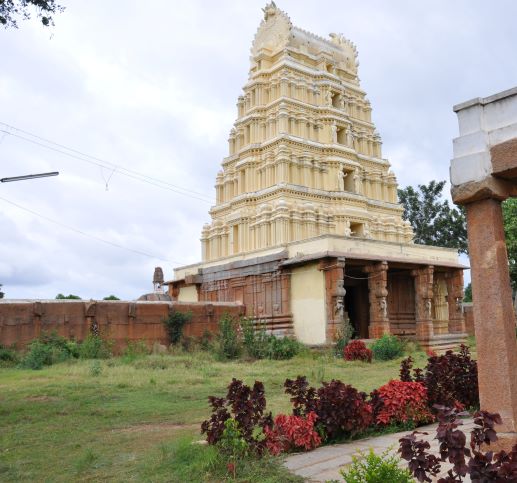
x=292, y=432
x=357, y=351
x=402, y=402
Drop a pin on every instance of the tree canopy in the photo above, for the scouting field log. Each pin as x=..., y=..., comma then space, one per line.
x=433, y=220
x=111, y=297
x=12, y=10
x=60, y=296
x=510, y=232
x=468, y=293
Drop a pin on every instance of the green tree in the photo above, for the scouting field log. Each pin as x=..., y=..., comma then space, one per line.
x=111, y=297
x=1, y=293
x=11, y=10
x=510, y=232
x=60, y=296
x=433, y=220
x=468, y=293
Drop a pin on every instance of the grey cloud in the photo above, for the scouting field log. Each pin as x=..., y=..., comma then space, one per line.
x=155, y=90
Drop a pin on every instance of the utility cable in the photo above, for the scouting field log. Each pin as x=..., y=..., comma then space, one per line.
x=88, y=235
x=48, y=144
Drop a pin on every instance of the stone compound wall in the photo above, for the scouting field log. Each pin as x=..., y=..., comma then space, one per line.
x=24, y=320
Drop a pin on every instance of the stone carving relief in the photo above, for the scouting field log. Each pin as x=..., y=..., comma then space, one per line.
x=348, y=230
x=339, y=310
x=349, y=50
x=333, y=131
x=383, y=307
x=328, y=98
x=428, y=308
x=273, y=33
x=339, y=306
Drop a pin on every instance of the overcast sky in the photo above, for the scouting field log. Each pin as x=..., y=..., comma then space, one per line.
x=152, y=86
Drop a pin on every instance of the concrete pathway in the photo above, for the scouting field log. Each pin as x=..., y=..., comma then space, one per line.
x=324, y=463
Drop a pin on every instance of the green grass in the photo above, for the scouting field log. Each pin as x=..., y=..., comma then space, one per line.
x=129, y=421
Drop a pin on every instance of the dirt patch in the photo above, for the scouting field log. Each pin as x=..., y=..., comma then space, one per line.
x=42, y=398
x=156, y=427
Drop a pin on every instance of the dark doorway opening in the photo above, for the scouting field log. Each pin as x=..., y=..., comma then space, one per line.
x=357, y=308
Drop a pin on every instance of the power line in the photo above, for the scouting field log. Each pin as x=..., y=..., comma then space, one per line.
x=88, y=235
x=71, y=152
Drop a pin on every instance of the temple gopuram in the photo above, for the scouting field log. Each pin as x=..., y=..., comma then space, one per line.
x=306, y=230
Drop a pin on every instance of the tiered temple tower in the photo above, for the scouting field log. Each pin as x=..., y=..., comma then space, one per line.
x=305, y=159
x=306, y=231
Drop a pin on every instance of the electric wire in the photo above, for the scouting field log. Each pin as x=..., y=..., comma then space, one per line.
x=88, y=235
x=73, y=153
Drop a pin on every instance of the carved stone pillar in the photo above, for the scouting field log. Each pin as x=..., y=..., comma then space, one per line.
x=454, y=280
x=423, y=302
x=378, y=296
x=334, y=269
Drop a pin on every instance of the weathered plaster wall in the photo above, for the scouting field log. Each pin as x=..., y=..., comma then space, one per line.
x=308, y=304
x=23, y=321
x=188, y=294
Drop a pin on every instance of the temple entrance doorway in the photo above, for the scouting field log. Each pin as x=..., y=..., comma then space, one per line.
x=356, y=306
x=401, y=303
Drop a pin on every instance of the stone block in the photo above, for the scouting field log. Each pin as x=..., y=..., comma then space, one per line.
x=487, y=127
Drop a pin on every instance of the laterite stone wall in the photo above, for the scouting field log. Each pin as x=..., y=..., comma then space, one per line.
x=24, y=320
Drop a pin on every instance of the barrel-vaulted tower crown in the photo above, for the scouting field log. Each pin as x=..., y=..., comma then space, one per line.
x=305, y=158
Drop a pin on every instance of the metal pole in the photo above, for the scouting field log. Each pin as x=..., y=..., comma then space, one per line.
x=29, y=176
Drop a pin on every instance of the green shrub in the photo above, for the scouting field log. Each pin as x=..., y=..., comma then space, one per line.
x=8, y=356
x=387, y=347
x=256, y=342
x=205, y=341
x=188, y=343
x=174, y=325
x=134, y=349
x=47, y=350
x=229, y=345
x=95, y=368
x=37, y=356
x=344, y=336
x=281, y=348
x=261, y=345
x=94, y=347
x=372, y=468
x=69, y=348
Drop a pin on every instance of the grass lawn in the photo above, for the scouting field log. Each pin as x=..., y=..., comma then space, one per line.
x=135, y=420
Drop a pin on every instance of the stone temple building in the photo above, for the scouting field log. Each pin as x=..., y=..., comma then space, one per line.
x=306, y=229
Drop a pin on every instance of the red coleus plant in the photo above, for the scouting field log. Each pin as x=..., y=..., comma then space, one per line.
x=451, y=379
x=247, y=405
x=292, y=432
x=356, y=350
x=401, y=402
x=478, y=462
